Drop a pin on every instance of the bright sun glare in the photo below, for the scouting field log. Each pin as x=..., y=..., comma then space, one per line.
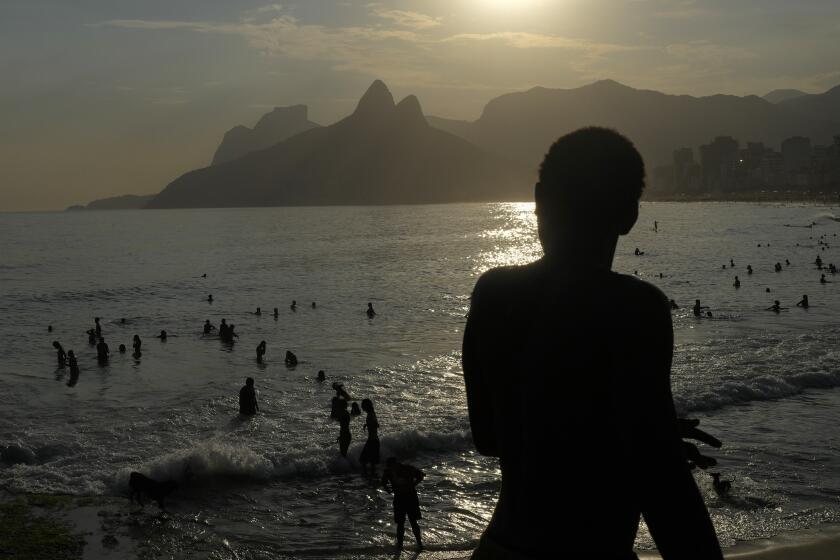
x=508, y=5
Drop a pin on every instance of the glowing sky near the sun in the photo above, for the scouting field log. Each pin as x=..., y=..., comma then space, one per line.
x=103, y=97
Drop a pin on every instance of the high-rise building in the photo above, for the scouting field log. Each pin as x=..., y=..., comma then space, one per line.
x=796, y=154
x=718, y=161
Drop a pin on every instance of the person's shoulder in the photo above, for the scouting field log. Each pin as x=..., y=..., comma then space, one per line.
x=640, y=293
x=502, y=277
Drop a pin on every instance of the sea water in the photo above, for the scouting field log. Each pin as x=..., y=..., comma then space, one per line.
x=275, y=485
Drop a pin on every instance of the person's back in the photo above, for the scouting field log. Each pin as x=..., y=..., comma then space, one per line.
x=581, y=415
x=248, y=398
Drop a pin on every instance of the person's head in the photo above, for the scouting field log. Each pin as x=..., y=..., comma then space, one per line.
x=223, y=321
x=96, y=319
x=56, y=345
x=122, y=320
x=249, y=382
x=122, y=347
x=71, y=354
x=696, y=302
x=370, y=305
x=321, y=375
x=262, y=343
x=776, y=302
x=805, y=296
x=136, y=337
x=367, y=405
x=162, y=333
x=49, y=328
x=589, y=186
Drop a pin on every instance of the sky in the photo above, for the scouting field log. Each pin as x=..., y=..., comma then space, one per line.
x=108, y=97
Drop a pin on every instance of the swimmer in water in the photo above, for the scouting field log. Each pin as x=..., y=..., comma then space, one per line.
x=122, y=321
x=370, y=452
x=210, y=298
x=122, y=348
x=224, y=329
x=787, y=262
x=803, y=303
x=822, y=279
x=749, y=269
x=776, y=307
x=71, y=361
x=136, y=344
x=293, y=307
x=258, y=311
x=732, y=263
x=276, y=313
x=208, y=328
x=370, y=312
x=162, y=336
x=291, y=360
x=49, y=328
x=321, y=375
x=673, y=304
x=778, y=267
x=62, y=357
x=313, y=305
x=98, y=327
x=818, y=262
x=638, y=253
x=92, y=337
x=737, y=283
x=260, y=351
x=248, y=398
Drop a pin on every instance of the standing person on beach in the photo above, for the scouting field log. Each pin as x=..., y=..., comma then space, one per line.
x=370, y=452
x=596, y=393
x=401, y=480
x=248, y=398
x=344, y=435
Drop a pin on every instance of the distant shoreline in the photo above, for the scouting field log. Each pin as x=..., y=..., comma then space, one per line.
x=826, y=198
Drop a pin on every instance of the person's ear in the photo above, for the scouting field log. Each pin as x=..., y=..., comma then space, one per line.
x=626, y=217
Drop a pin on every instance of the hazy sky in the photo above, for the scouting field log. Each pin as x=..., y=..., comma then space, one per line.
x=104, y=97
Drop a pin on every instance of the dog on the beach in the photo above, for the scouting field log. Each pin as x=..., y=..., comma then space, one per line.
x=158, y=491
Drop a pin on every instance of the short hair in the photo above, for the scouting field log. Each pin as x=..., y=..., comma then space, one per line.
x=589, y=173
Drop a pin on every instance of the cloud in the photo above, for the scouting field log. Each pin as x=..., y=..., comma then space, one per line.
x=412, y=20
x=706, y=54
x=524, y=40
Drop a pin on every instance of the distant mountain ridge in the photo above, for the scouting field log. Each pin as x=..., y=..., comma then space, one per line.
x=273, y=127
x=523, y=125
x=383, y=153
x=122, y=202
x=779, y=95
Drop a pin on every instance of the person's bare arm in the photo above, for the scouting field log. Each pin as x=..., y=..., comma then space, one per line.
x=479, y=396
x=670, y=501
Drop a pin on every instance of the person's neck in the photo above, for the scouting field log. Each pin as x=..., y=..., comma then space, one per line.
x=593, y=253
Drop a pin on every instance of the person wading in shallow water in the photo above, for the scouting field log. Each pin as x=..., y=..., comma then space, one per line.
x=581, y=415
x=402, y=480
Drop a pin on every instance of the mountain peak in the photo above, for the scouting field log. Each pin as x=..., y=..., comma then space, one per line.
x=410, y=112
x=376, y=99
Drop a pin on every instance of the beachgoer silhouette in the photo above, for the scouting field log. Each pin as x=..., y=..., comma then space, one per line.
x=787, y=262
x=818, y=262
x=697, y=309
x=98, y=327
x=822, y=279
x=355, y=410
x=260, y=351
x=208, y=328
x=314, y=305
x=803, y=302
x=321, y=375
x=49, y=328
x=210, y=298
x=344, y=436
x=276, y=313
x=775, y=307
x=136, y=344
x=74, y=369
x=655, y=226
x=722, y=487
x=293, y=307
x=121, y=348
x=401, y=480
x=223, y=329
x=248, y=398
x=370, y=452
x=162, y=336
x=258, y=311
x=673, y=304
x=638, y=253
x=732, y=263
x=60, y=354
x=370, y=312
x=291, y=360
x=737, y=283
x=92, y=337
x=102, y=351
x=338, y=401
x=749, y=269
x=778, y=267
x=587, y=407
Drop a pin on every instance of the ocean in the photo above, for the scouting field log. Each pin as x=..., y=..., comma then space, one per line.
x=275, y=485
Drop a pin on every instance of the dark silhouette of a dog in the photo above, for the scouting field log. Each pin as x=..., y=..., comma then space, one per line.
x=158, y=491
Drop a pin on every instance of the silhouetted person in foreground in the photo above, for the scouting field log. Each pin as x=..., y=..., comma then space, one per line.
x=370, y=452
x=370, y=312
x=60, y=354
x=339, y=401
x=248, y=398
x=401, y=480
x=581, y=415
x=803, y=303
x=260, y=351
x=344, y=436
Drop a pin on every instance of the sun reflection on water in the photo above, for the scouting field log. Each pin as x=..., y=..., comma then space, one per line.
x=515, y=231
